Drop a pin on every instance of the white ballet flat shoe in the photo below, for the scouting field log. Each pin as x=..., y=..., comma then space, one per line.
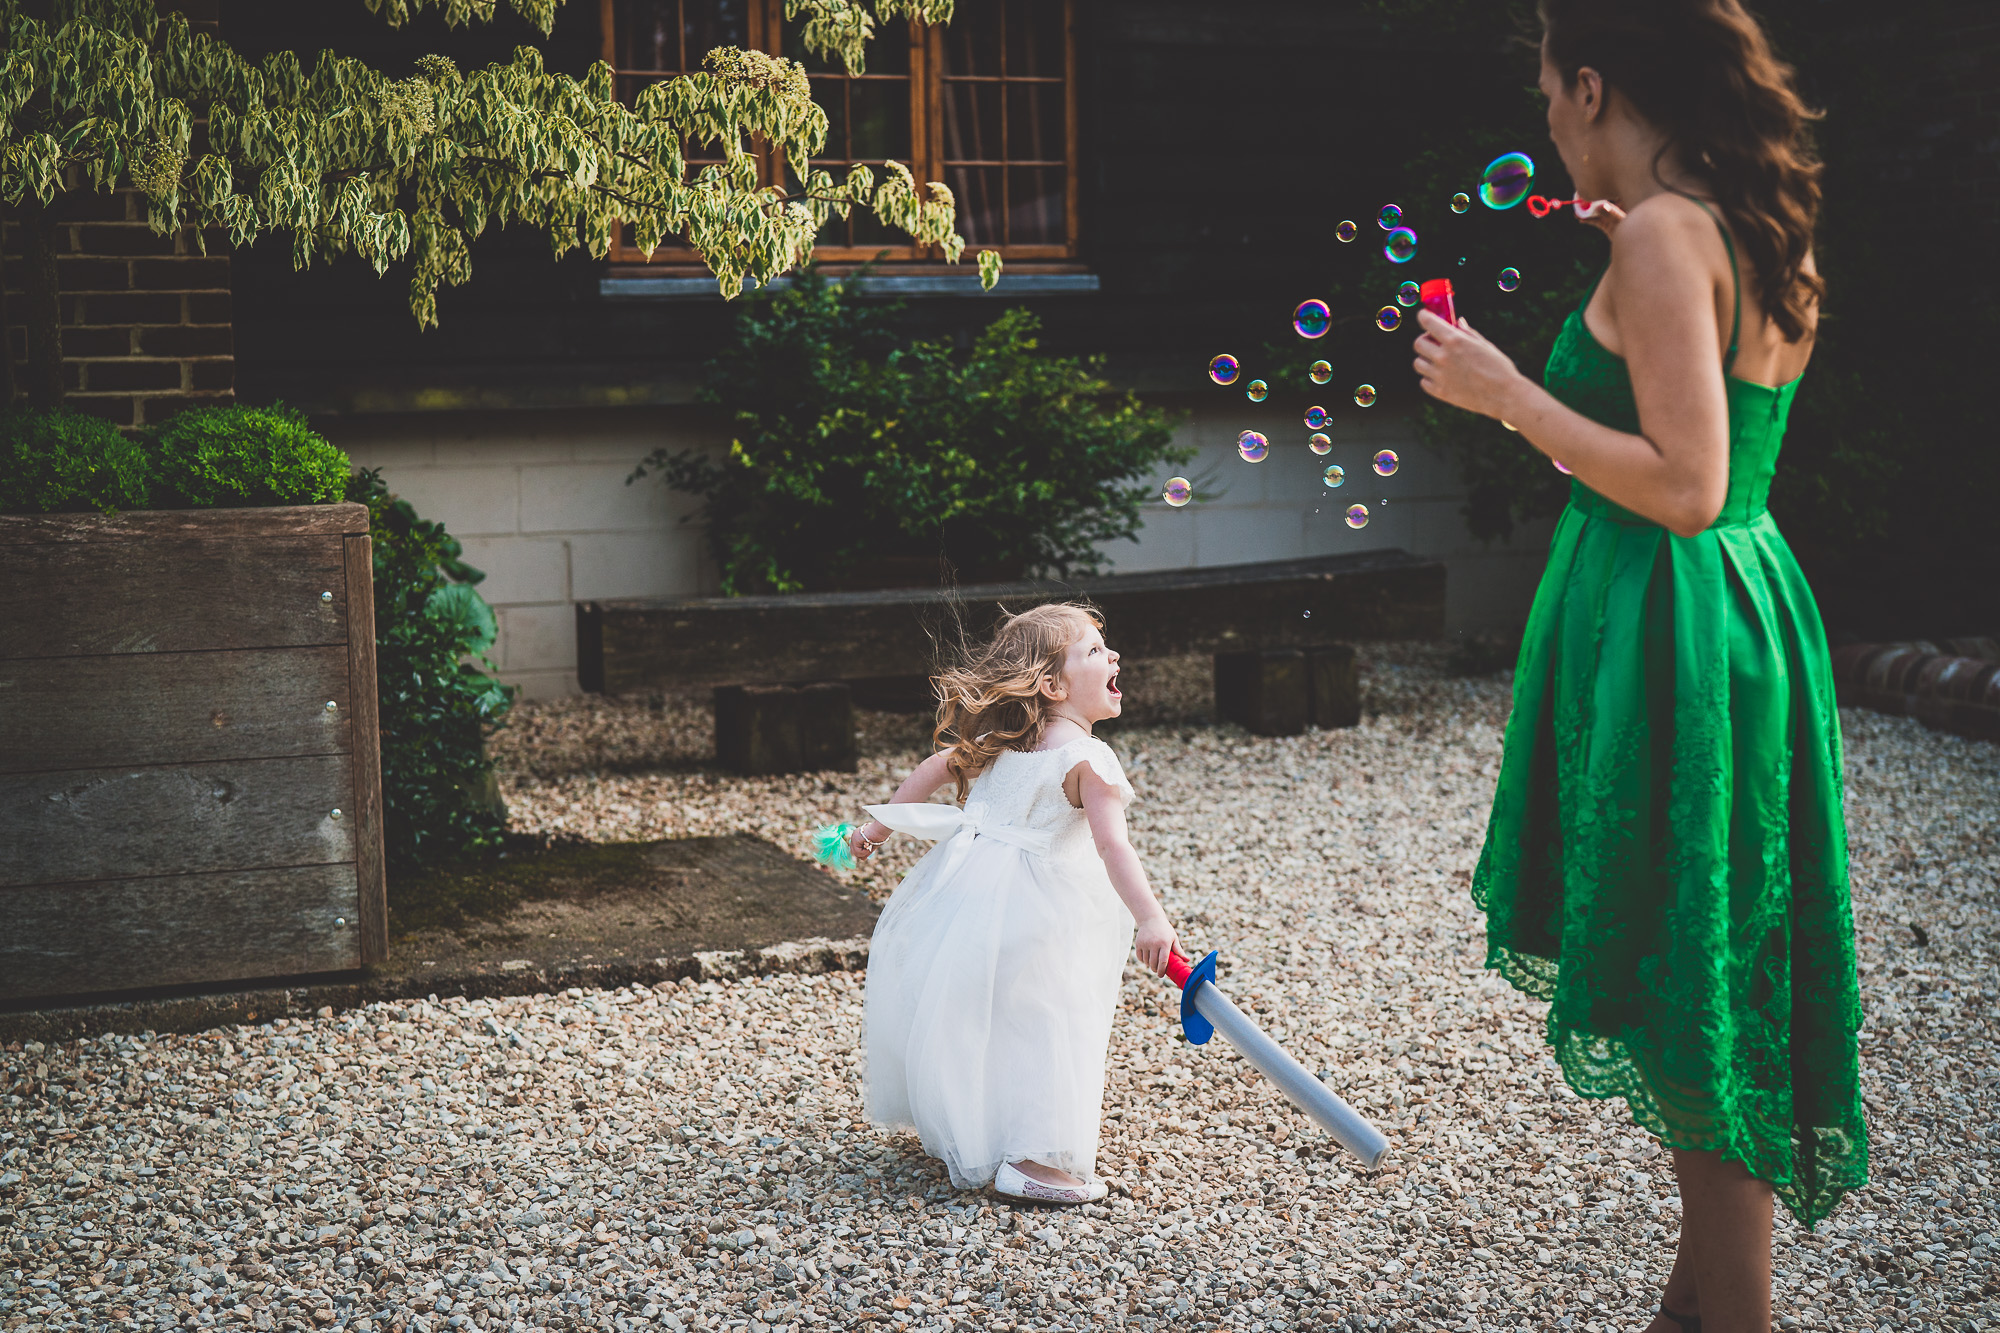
x=1010, y=1181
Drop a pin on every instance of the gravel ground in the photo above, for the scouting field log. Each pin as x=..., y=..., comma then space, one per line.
x=691, y=1157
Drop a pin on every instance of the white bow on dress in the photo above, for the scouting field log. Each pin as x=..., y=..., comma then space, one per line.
x=923, y=819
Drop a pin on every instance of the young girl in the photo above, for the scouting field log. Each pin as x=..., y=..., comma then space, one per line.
x=994, y=970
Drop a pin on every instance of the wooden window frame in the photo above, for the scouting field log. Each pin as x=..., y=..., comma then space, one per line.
x=927, y=145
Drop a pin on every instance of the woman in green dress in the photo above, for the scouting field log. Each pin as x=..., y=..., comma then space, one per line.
x=1666, y=860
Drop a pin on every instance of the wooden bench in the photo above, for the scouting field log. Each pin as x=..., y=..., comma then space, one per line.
x=1280, y=631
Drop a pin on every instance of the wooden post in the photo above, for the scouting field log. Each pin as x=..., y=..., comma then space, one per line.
x=768, y=729
x=1266, y=692
x=369, y=869
x=1335, y=686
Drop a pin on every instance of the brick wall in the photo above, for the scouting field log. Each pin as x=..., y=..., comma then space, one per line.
x=145, y=318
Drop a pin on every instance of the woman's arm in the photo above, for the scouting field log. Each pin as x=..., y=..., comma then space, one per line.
x=1661, y=290
x=1105, y=810
x=924, y=779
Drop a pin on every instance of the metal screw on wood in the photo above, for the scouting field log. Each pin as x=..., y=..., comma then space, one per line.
x=326, y=597
x=334, y=815
x=332, y=706
x=340, y=921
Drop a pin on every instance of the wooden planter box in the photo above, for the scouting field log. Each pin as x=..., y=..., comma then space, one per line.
x=190, y=771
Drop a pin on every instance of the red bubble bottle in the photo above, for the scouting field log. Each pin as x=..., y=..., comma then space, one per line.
x=1435, y=295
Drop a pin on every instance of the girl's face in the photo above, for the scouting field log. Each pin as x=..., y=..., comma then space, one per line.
x=1089, y=686
x=1575, y=110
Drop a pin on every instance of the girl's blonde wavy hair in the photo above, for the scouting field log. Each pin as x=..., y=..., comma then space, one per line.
x=992, y=700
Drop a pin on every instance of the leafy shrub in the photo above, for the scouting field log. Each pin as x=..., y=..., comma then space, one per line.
x=436, y=707
x=848, y=447
x=241, y=456
x=66, y=461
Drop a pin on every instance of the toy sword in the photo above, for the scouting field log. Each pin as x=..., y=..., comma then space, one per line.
x=1205, y=1011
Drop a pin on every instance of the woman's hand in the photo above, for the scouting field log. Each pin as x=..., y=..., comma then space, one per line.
x=1154, y=943
x=1460, y=367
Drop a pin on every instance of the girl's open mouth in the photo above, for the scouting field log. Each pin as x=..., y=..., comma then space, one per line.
x=1111, y=686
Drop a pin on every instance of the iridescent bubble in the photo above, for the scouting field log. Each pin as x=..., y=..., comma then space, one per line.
x=1460, y=202
x=1178, y=492
x=1357, y=516
x=1386, y=463
x=1388, y=319
x=1319, y=444
x=1224, y=369
x=1252, y=446
x=1364, y=395
x=1315, y=418
x=1311, y=319
x=1505, y=181
x=1345, y=232
x=1510, y=278
x=1334, y=476
x=1562, y=467
x=1401, y=247
x=1390, y=217
x=1407, y=294
x=1257, y=391
x=1321, y=372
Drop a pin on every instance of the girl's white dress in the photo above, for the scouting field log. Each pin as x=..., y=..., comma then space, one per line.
x=994, y=972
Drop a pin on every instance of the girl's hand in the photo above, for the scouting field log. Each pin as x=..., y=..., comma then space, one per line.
x=857, y=841
x=1154, y=943
x=1462, y=368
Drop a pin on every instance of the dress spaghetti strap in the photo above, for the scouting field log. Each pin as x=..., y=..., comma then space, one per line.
x=1735, y=276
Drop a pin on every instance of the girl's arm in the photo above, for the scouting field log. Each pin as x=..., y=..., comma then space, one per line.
x=1676, y=471
x=926, y=778
x=1105, y=810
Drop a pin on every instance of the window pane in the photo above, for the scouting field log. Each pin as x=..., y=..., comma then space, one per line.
x=888, y=52
x=972, y=38
x=1035, y=38
x=1035, y=122
x=648, y=34
x=1035, y=206
x=712, y=23
x=972, y=122
x=880, y=123
x=831, y=95
x=978, y=192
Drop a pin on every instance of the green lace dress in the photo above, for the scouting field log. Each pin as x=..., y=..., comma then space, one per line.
x=1667, y=859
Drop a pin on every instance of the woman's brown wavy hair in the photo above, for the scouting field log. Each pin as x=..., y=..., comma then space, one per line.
x=1703, y=72
x=992, y=700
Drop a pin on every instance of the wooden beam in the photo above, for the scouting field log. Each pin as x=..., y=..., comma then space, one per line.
x=203, y=524
x=115, y=823
x=370, y=867
x=162, y=708
x=631, y=645
x=76, y=939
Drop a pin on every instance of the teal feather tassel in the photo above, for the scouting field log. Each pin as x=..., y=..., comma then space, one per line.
x=831, y=848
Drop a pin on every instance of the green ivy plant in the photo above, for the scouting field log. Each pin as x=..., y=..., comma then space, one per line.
x=432, y=631
x=847, y=445
x=344, y=159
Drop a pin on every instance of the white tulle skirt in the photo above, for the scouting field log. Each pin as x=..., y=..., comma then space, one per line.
x=990, y=1000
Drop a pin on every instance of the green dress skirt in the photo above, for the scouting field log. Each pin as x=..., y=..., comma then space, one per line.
x=1667, y=860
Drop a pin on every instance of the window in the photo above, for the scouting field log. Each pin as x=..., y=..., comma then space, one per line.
x=986, y=104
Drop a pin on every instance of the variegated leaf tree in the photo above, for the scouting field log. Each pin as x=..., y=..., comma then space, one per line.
x=341, y=159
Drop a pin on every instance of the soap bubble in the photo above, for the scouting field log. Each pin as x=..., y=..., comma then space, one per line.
x=1390, y=217
x=1345, y=232
x=1319, y=444
x=1386, y=463
x=1224, y=369
x=1388, y=319
x=1364, y=395
x=1407, y=294
x=1357, y=516
x=1257, y=391
x=1334, y=475
x=1401, y=247
x=1510, y=278
x=1505, y=181
x=1315, y=418
x=1252, y=446
x=1311, y=319
x=1460, y=202
x=1321, y=372
x=1562, y=467
x=1178, y=492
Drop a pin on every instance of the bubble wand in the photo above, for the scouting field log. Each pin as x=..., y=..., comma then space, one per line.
x=1205, y=1011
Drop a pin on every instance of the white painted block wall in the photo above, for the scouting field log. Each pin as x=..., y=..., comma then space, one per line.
x=540, y=503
